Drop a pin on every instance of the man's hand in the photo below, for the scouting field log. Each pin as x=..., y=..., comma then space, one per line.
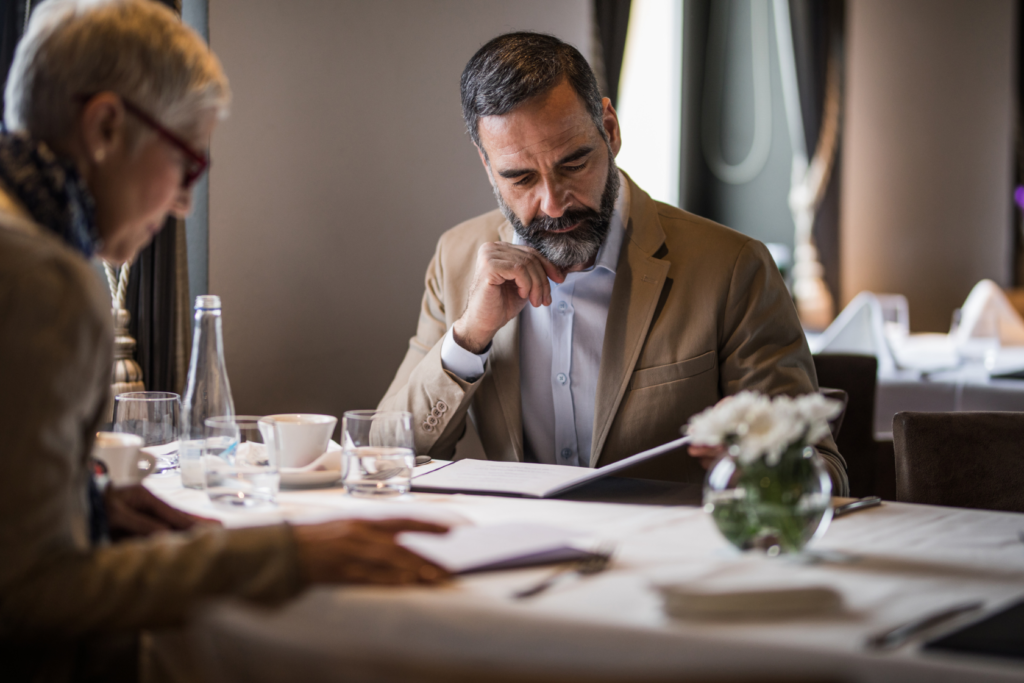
x=507, y=277
x=134, y=511
x=706, y=454
x=364, y=551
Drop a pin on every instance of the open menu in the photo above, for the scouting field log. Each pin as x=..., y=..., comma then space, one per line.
x=496, y=546
x=529, y=480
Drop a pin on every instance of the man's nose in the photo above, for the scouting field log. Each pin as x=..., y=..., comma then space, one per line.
x=553, y=198
x=182, y=203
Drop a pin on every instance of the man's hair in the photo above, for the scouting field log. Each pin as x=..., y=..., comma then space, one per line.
x=515, y=67
x=138, y=49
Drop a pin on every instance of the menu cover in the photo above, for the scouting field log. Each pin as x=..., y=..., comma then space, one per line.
x=1000, y=634
x=530, y=480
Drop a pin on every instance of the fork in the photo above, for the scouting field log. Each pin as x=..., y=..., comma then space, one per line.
x=593, y=563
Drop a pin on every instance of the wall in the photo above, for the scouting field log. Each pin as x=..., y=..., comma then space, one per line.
x=344, y=159
x=928, y=145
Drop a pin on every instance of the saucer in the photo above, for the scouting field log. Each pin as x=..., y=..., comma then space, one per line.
x=310, y=479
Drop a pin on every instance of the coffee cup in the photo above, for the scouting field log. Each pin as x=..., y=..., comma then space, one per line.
x=297, y=439
x=126, y=464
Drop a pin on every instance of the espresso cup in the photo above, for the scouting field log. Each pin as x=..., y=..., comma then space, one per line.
x=126, y=463
x=297, y=439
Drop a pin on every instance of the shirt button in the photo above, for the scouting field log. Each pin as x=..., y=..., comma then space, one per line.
x=566, y=453
x=562, y=305
x=562, y=379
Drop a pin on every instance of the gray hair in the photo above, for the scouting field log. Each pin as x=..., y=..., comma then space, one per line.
x=515, y=67
x=138, y=49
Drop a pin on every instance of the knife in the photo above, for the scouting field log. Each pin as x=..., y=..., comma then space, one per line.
x=859, y=504
x=893, y=638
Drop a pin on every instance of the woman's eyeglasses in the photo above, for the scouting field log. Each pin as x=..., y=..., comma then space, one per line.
x=196, y=163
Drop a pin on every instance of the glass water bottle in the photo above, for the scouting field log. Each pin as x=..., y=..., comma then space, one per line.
x=208, y=393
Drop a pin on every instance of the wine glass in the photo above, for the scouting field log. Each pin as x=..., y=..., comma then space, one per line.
x=156, y=417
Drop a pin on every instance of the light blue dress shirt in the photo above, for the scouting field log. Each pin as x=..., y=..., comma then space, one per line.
x=559, y=354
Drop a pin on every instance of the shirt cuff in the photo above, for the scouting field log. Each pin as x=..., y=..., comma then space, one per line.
x=464, y=364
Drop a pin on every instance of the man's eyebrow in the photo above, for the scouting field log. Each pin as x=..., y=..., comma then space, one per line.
x=568, y=159
x=574, y=156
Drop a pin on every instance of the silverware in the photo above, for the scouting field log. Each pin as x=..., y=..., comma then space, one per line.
x=593, y=563
x=859, y=504
x=893, y=638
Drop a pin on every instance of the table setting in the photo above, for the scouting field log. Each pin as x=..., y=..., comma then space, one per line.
x=605, y=589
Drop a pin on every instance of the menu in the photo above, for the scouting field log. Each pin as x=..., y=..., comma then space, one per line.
x=529, y=480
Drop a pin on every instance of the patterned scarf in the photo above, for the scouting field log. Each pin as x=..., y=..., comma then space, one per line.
x=51, y=189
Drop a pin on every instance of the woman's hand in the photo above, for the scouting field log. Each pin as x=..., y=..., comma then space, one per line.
x=134, y=511
x=364, y=551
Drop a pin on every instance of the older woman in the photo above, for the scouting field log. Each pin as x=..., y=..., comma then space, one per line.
x=111, y=105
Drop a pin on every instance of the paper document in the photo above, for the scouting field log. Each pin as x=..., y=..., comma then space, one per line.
x=531, y=480
x=498, y=546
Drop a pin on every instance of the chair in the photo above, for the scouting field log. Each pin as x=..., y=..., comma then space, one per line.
x=963, y=459
x=869, y=463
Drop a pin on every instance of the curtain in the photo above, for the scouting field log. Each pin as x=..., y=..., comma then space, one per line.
x=818, y=27
x=159, y=303
x=13, y=14
x=817, y=33
x=611, y=19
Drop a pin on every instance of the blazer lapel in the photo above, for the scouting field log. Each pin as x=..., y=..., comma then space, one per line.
x=638, y=283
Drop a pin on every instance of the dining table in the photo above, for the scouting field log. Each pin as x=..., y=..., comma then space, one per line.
x=890, y=564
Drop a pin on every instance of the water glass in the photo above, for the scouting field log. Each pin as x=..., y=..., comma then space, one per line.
x=153, y=415
x=378, y=455
x=239, y=470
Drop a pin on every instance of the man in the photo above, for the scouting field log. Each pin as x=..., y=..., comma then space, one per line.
x=583, y=322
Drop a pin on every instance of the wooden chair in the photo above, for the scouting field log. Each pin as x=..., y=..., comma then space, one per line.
x=962, y=459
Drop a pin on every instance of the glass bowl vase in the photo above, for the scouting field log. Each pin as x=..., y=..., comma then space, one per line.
x=775, y=508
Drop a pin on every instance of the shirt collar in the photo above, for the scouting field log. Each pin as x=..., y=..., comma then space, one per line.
x=608, y=254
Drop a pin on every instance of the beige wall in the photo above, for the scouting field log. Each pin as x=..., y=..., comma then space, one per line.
x=345, y=157
x=928, y=145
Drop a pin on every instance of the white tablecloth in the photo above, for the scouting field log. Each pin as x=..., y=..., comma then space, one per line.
x=967, y=388
x=901, y=561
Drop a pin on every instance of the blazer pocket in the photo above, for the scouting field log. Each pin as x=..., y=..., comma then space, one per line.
x=662, y=374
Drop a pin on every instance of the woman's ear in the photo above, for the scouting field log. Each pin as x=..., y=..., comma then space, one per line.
x=101, y=127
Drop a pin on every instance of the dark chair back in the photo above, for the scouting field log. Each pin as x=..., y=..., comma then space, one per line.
x=868, y=462
x=971, y=460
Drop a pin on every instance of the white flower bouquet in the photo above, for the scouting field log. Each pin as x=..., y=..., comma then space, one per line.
x=751, y=425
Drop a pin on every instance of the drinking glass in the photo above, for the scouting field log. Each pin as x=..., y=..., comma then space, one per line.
x=378, y=455
x=239, y=470
x=156, y=417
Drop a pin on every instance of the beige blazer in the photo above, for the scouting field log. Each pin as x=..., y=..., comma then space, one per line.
x=698, y=312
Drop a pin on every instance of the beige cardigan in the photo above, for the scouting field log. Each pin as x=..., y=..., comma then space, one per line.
x=56, y=348
x=698, y=312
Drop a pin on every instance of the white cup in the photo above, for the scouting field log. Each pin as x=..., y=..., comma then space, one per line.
x=297, y=439
x=126, y=463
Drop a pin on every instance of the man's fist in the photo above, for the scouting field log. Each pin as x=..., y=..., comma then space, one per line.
x=507, y=277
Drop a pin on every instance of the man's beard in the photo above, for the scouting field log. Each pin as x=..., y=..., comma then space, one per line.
x=577, y=247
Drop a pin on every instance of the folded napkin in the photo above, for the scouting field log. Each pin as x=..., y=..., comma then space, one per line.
x=988, y=314
x=693, y=601
x=330, y=460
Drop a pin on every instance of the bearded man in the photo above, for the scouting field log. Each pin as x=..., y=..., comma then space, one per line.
x=583, y=322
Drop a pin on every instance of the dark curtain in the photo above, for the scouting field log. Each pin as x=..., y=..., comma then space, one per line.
x=612, y=17
x=153, y=301
x=817, y=27
x=12, y=22
x=818, y=37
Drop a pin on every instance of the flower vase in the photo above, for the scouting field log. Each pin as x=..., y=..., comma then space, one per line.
x=775, y=507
